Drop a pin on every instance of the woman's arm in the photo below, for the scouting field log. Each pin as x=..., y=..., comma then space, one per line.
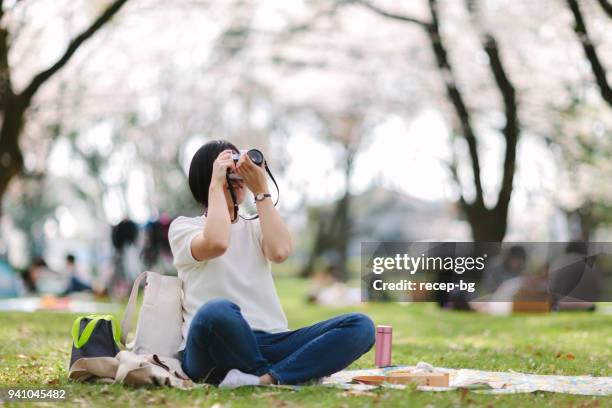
x=277, y=244
x=214, y=239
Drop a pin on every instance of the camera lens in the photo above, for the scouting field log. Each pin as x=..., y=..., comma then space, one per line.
x=256, y=156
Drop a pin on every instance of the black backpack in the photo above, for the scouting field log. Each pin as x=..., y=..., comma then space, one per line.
x=94, y=336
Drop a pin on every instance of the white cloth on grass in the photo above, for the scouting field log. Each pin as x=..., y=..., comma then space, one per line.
x=132, y=369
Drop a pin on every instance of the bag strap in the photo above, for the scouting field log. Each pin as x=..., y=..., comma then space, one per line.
x=126, y=324
x=80, y=341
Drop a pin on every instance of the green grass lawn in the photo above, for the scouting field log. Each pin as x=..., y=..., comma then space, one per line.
x=35, y=349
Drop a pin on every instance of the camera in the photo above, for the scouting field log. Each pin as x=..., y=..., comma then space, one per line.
x=255, y=155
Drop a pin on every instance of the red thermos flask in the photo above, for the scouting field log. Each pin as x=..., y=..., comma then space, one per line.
x=384, y=336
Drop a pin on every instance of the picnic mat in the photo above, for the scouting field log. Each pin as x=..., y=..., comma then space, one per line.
x=56, y=304
x=484, y=381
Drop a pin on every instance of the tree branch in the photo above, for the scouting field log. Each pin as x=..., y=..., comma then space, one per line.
x=456, y=98
x=399, y=17
x=607, y=7
x=305, y=26
x=589, y=50
x=74, y=45
x=511, y=129
x=452, y=168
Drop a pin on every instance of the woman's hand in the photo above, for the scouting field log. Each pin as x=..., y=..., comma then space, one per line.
x=253, y=176
x=221, y=165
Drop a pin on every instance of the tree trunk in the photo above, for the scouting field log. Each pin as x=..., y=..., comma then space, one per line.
x=11, y=159
x=334, y=231
x=493, y=224
x=488, y=225
x=11, y=163
x=321, y=236
x=333, y=234
x=342, y=236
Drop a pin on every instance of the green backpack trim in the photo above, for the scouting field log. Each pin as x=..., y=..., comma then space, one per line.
x=89, y=328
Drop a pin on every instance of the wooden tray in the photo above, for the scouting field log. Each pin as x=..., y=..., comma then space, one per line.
x=370, y=379
x=427, y=379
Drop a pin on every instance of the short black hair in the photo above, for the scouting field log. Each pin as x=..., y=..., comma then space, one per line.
x=200, y=169
x=70, y=258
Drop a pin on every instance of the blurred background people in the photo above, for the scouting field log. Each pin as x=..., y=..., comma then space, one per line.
x=156, y=254
x=75, y=284
x=31, y=276
x=126, y=259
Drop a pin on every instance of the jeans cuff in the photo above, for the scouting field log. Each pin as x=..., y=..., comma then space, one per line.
x=275, y=375
x=264, y=370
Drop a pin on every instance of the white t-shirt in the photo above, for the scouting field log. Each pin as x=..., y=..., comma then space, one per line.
x=242, y=274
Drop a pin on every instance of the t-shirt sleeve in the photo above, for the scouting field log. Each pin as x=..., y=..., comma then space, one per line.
x=180, y=234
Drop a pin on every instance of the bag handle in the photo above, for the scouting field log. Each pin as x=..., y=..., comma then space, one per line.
x=80, y=341
x=126, y=324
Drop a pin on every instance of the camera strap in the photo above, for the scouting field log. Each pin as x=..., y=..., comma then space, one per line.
x=277, y=192
x=230, y=187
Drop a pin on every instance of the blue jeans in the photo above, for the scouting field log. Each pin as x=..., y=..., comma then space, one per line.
x=220, y=339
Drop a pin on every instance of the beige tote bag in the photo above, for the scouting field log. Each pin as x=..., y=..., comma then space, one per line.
x=160, y=321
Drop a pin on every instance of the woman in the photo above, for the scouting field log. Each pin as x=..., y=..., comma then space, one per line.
x=235, y=332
